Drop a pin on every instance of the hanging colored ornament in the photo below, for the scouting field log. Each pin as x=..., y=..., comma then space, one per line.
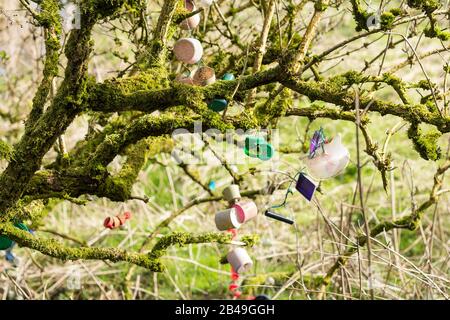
x=245, y=211
x=326, y=158
x=117, y=221
x=193, y=21
x=227, y=219
x=257, y=147
x=6, y=243
x=219, y=104
x=231, y=194
x=239, y=260
x=212, y=185
x=305, y=186
x=204, y=76
x=188, y=50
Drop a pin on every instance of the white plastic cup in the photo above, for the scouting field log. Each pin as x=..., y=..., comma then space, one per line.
x=193, y=21
x=239, y=260
x=231, y=193
x=188, y=50
x=227, y=219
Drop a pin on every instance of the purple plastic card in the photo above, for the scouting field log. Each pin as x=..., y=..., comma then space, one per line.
x=305, y=186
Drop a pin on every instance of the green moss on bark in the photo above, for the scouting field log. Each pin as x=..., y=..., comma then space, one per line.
x=425, y=143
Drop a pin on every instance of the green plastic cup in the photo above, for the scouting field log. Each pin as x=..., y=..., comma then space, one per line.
x=251, y=148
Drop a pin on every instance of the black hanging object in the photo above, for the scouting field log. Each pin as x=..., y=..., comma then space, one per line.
x=278, y=217
x=262, y=297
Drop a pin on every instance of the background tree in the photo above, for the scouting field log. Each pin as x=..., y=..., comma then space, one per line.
x=87, y=123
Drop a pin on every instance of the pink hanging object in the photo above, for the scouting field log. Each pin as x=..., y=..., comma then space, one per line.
x=117, y=221
x=193, y=21
x=239, y=260
x=330, y=161
x=245, y=210
x=188, y=50
x=227, y=219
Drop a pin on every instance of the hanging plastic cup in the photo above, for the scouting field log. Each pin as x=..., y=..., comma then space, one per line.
x=231, y=193
x=239, y=260
x=227, y=219
x=188, y=50
x=245, y=211
x=330, y=162
x=257, y=147
x=193, y=21
x=204, y=76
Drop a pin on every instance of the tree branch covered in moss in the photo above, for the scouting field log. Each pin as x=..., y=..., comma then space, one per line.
x=139, y=108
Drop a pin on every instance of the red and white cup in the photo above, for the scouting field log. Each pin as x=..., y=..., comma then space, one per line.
x=188, y=50
x=193, y=21
x=227, y=219
x=239, y=260
x=245, y=210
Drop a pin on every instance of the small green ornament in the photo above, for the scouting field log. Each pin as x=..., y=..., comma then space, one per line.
x=228, y=76
x=218, y=105
x=5, y=242
x=257, y=147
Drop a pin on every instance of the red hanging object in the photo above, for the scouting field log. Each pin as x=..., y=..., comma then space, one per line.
x=117, y=221
x=233, y=286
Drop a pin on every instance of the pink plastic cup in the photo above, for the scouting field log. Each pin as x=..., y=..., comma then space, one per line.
x=245, y=211
x=239, y=260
